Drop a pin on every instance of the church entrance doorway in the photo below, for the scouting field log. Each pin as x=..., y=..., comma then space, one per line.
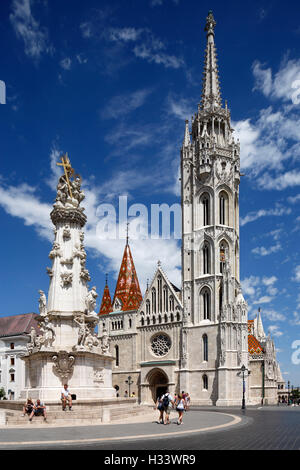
x=158, y=383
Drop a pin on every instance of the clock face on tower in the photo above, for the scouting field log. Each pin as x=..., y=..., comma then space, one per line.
x=160, y=345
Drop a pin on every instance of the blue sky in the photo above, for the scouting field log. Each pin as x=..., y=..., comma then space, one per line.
x=111, y=83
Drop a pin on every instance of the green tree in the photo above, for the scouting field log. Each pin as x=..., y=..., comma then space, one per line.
x=2, y=393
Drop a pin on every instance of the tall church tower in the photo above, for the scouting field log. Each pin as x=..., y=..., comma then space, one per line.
x=215, y=313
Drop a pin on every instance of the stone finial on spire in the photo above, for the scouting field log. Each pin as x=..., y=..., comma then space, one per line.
x=211, y=96
x=210, y=23
x=186, y=140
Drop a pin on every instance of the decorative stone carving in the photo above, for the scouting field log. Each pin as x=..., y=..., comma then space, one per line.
x=66, y=279
x=79, y=252
x=49, y=271
x=63, y=365
x=67, y=233
x=85, y=275
x=67, y=261
x=99, y=375
x=42, y=303
x=56, y=251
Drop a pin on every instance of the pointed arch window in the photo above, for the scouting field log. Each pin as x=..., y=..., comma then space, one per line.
x=205, y=347
x=148, y=307
x=205, y=303
x=165, y=294
x=223, y=208
x=171, y=303
x=153, y=300
x=205, y=208
x=206, y=258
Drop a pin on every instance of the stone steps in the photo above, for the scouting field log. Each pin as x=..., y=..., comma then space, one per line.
x=74, y=417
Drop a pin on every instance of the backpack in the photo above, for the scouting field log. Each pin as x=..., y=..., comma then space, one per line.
x=165, y=400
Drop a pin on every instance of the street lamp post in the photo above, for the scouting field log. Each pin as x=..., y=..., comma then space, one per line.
x=243, y=370
x=288, y=393
x=129, y=383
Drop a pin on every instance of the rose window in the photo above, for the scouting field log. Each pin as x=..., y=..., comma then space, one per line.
x=160, y=345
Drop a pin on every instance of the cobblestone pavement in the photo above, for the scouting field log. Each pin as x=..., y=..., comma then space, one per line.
x=267, y=428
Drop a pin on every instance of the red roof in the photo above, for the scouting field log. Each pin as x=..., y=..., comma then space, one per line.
x=106, y=305
x=18, y=324
x=128, y=289
x=254, y=346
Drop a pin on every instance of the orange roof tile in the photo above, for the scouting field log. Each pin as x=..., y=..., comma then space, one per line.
x=106, y=305
x=254, y=346
x=128, y=289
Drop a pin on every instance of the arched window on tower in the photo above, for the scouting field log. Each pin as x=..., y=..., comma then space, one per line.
x=205, y=208
x=224, y=250
x=205, y=347
x=206, y=258
x=223, y=208
x=205, y=298
x=148, y=307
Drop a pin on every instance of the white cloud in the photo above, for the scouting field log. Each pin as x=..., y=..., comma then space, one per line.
x=254, y=215
x=272, y=315
x=279, y=86
x=294, y=199
x=125, y=34
x=28, y=29
x=297, y=274
x=124, y=104
x=280, y=182
x=274, y=330
x=269, y=281
x=263, y=300
x=22, y=202
x=66, y=63
x=262, y=251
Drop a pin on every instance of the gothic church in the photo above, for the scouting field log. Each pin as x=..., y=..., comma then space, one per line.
x=198, y=337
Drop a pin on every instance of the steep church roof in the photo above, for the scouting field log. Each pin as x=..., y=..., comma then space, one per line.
x=128, y=290
x=106, y=305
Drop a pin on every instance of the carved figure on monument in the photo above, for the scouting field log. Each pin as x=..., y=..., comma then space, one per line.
x=105, y=342
x=48, y=332
x=42, y=303
x=83, y=331
x=90, y=301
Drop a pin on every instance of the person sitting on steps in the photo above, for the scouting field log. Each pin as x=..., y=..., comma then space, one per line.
x=38, y=410
x=66, y=397
x=27, y=408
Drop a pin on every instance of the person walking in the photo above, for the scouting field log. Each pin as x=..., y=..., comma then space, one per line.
x=168, y=403
x=180, y=407
x=160, y=407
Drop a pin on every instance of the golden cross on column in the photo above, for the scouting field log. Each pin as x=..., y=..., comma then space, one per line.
x=69, y=171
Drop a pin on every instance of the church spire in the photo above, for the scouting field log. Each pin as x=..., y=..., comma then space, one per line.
x=187, y=139
x=128, y=294
x=211, y=96
x=106, y=305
